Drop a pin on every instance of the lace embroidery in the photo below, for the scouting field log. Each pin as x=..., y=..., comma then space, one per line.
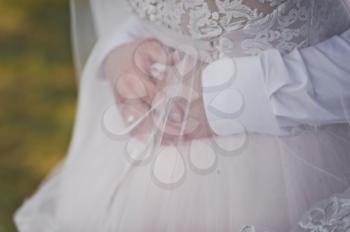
x=331, y=216
x=250, y=26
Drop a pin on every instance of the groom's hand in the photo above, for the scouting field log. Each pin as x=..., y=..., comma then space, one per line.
x=141, y=74
x=188, y=99
x=129, y=69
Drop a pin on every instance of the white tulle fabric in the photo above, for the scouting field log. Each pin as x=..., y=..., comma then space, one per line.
x=249, y=182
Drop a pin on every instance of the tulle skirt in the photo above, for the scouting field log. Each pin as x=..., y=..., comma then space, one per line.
x=247, y=182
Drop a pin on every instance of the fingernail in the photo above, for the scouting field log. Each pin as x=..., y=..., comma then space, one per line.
x=130, y=88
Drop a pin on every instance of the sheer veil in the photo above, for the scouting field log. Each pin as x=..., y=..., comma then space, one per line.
x=83, y=32
x=248, y=182
x=91, y=19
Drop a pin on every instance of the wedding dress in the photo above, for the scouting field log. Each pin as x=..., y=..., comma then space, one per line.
x=288, y=170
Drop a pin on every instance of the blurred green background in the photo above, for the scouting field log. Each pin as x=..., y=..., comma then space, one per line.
x=37, y=97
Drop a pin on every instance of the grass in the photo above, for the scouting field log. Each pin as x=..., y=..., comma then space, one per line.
x=37, y=97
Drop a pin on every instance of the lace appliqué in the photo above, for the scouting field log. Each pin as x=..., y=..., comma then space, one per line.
x=331, y=216
x=250, y=26
x=201, y=19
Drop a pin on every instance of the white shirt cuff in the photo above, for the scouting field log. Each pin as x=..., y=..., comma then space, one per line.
x=233, y=91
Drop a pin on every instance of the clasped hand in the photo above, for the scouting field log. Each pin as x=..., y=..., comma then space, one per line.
x=158, y=91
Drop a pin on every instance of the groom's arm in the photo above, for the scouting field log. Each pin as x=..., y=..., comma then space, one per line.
x=271, y=93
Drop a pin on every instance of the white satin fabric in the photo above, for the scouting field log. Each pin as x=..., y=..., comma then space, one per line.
x=308, y=86
x=245, y=182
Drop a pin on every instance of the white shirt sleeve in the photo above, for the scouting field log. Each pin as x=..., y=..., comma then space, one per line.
x=271, y=93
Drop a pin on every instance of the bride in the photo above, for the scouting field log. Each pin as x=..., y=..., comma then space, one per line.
x=217, y=115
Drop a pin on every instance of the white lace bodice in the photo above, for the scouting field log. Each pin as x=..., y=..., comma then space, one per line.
x=247, y=27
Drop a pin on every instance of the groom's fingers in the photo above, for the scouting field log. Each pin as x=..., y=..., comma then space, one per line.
x=159, y=53
x=131, y=87
x=137, y=116
x=150, y=52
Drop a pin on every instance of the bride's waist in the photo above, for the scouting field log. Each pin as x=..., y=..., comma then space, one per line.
x=232, y=44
